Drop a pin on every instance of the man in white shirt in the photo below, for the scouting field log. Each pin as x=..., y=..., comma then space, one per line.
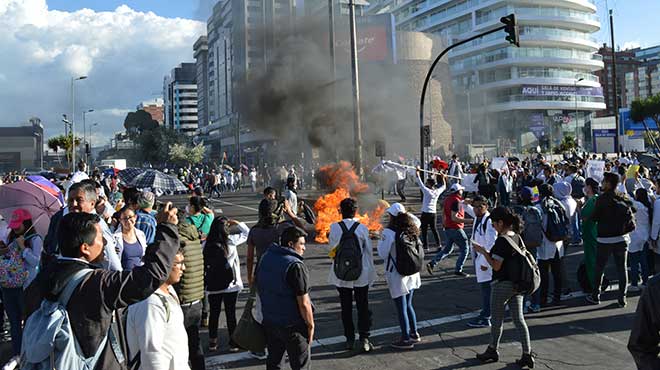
x=455, y=168
x=155, y=329
x=485, y=235
x=401, y=174
x=431, y=192
x=358, y=288
x=253, y=179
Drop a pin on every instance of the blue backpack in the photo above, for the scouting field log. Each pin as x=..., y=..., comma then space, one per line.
x=557, y=225
x=48, y=340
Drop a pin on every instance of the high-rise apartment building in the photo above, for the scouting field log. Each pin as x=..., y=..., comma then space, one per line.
x=515, y=97
x=625, y=62
x=154, y=108
x=180, y=99
x=201, y=55
x=642, y=81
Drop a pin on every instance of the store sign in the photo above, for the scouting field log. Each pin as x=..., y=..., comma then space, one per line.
x=556, y=90
x=375, y=40
x=562, y=118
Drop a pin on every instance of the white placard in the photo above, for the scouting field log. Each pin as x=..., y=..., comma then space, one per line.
x=595, y=170
x=498, y=163
x=468, y=183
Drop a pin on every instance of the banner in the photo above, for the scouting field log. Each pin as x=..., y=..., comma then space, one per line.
x=468, y=183
x=595, y=170
x=556, y=90
x=498, y=163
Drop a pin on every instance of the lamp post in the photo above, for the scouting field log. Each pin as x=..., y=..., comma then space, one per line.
x=357, y=124
x=577, y=140
x=73, y=122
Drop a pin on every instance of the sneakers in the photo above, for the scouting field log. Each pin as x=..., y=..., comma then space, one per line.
x=634, y=288
x=403, y=344
x=415, y=337
x=592, y=300
x=213, y=345
x=490, y=355
x=429, y=268
x=622, y=302
x=12, y=364
x=258, y=355
x=365, y=345
x=350, y=344
x=535, y=308
x=479, y=323
x=526, y=361
x=462, y=274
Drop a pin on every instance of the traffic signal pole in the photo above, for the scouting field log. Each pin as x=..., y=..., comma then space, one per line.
x=511, y=28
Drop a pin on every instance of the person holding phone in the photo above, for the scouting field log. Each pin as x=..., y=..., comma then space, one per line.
x=502, y=258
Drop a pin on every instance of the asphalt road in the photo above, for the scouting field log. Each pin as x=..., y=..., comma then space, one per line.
x=570, y=336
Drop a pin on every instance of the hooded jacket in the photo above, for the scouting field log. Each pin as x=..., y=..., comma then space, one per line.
x=93, y=303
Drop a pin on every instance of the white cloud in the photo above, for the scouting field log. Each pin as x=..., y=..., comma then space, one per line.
x=124, y=53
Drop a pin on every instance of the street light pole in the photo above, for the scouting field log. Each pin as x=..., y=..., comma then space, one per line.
x=357, y=124
x=73, y=122
x=577, y=140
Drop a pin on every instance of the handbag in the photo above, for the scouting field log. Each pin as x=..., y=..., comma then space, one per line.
x=13, y=269
x=249, y=334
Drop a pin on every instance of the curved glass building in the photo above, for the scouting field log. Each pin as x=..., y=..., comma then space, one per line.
x=515, y=98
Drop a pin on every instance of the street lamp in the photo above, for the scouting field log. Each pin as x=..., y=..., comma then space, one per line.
x=577, y=141
x=73, y=122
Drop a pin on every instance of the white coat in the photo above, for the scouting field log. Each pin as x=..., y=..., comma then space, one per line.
x=485, y=238
x=548, y=249
x=642, y=229
x=397, y=284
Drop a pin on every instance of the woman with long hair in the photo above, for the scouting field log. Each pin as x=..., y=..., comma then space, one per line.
x=221, y=258
x=131, y=241
x=401, y=287
x=503, y=259
x=21, y=257
x=637, y=251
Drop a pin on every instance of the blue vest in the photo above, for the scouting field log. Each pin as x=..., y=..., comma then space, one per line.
x=278, y=299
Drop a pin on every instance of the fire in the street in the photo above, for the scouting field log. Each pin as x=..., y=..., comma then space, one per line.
x=342, y=178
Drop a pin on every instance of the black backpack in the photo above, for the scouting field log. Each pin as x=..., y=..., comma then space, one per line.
x=219, y=272
x=557, y=226
x=348, y=258
x=409, y=255
x=523, y=269
x=577, y=187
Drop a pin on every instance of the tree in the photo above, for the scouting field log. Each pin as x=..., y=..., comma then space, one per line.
x=567, y=144
x=139, y=121
x=155, y=144
x=184, y=154
x=63, y=142
x=646, y=108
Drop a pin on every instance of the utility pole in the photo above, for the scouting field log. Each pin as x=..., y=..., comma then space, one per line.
x=333, y=65
x=616, y=94
x=357, y=125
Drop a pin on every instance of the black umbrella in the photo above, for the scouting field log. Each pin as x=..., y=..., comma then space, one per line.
x=647, y=160
x=126, y=176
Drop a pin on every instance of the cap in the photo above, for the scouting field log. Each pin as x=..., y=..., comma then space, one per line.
x=456, y=187
x=18, y=216
x=396, y=209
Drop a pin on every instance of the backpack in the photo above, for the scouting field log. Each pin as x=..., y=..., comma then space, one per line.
x=523, y=269
x=577, y=185
x=532, y=233
x=13, y=269
x=557, y=226
x=219, y=272
x=409, y=255
x=135, y=362
x=347, y=264
x=624, y=212
x=48, y=339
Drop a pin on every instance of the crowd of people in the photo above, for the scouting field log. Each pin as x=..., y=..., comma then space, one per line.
x=137, y=278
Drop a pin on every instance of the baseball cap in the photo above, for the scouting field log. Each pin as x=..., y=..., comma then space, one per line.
x=396, y=209
x=18, y=216
x=456, y=187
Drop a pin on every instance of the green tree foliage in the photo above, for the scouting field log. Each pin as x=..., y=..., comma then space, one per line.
x=138, y=122
x=567, y=144
x=155, y=144
x=62, y=142
x=184, y=154
x=646, y=108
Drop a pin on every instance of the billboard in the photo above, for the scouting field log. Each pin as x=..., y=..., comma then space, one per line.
x=556, y=90
x=627, y=123
x=375, y=39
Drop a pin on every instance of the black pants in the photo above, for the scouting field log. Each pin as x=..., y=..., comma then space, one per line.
x=620, y=252
x=294, y=340
x=429, y=219
x=545, y=266
x=192, y=318
x=215, y=303
x=400, y=189
x=364, y=315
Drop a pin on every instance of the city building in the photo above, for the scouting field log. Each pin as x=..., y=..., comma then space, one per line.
x=238, y=49
x=21, y=147
x=155, y=108
x=643, y=80
x=515, y=98
x=201, y=55
x=341, y=8
x=626, y=62
x=180, y=99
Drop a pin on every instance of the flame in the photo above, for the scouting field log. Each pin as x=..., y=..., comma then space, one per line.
x=342, y=178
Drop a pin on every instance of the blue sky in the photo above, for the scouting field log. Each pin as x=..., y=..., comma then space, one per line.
x=636, y=21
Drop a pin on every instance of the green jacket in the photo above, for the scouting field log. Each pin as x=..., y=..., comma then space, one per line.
x=191, y=286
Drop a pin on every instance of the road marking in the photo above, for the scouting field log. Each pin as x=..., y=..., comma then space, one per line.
x=235, y=357
x=233, y=204
x=600, y=335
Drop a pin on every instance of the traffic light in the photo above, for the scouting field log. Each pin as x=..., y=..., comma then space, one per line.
x=427, y=136
x=511, y=28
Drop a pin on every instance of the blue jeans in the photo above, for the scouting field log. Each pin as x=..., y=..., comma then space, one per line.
x=458, y=237
x=638, y=259
x=12, y=298
x=485, y=300
x=406, y=313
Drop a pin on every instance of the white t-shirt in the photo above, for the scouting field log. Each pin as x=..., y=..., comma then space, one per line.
x=368, y=275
